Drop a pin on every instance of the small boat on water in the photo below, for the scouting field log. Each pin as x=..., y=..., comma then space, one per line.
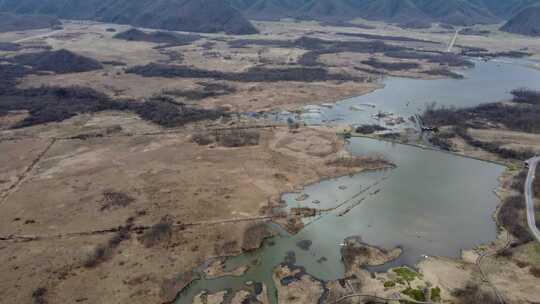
x=327, y=105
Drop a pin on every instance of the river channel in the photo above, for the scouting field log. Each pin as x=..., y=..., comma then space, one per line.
x=432, y=203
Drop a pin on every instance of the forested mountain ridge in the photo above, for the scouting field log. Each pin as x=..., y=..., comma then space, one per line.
x=182, y=15
x=457, y=12
x=527, y=22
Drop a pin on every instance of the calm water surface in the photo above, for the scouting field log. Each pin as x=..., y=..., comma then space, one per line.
x=433, y=203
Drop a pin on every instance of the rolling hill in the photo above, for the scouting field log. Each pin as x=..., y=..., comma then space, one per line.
x=182, y=15
x=527, y=22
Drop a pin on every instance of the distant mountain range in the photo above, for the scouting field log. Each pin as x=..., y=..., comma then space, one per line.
x=231, y=16
x=456, y=12
x=527, y=22
x=182, y=15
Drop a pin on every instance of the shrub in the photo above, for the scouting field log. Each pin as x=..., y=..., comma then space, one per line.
x=441, y=142
x=389, y=284
x=415, y=294
x=38, y=296
x=158, y=233
x=535, y=271
x=255, y=235
x=436, y=294
x=473, y=294
x=238, y=138
x=369, y=129
x=511, y=217
x=115, y=199
x=103, y=252
x=505, y=253
x=203, y=138
x=405, y=273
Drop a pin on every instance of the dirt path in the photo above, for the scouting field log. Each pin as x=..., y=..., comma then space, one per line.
x=369, y=296
x=25, y=175
x=134, y=228
x=483, y=274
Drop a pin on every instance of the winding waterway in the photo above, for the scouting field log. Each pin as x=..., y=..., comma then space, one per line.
x=432, y=203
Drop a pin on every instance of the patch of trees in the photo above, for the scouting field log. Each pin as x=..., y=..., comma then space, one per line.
x=158, y=233
x=519, y=182
x=442, y=142
x=472, y=293
x=516, y=118
x=469, y=31
x=493, y=147
x=103, y=252
x=341, y=23
x=528, y=96
x=206, y=90
x=60, y=62
x=369, y=129
x=525, y=118
x=113, y=199
x=479, y=52
x=54, y=104
x=433, y=57
x=243, y=43
x=512, y=217
x=387, y=38
x=255, y=235
x=254, y=74
x=443, y=72
x=114, y=63
x=390, y=66
x=171, y=39
x=167, y=114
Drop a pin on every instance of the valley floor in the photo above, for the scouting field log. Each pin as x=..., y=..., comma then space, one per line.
x=109, y=208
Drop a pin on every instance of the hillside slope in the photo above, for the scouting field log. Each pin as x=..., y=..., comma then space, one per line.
x=527, y=22
x=12, y=22
x=457, y=12
x=182, y=15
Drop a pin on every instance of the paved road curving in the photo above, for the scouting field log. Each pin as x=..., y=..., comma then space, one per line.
x=529, y=199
